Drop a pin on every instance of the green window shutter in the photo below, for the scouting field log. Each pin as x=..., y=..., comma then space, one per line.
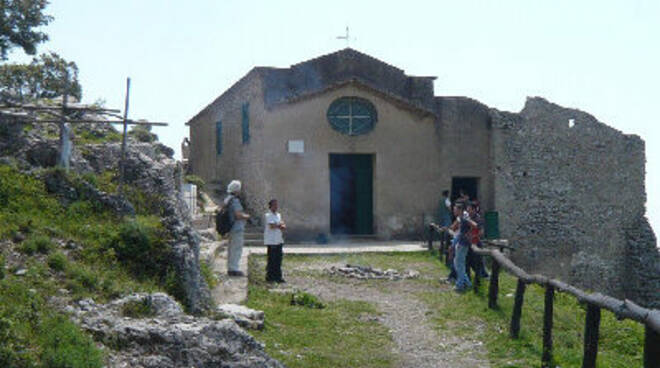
x=246, y=122
x=218, y=137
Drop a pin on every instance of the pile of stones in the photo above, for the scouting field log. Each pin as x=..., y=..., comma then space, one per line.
x=367, y=272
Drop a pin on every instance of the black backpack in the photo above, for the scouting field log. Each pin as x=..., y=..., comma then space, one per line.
x=224, y=219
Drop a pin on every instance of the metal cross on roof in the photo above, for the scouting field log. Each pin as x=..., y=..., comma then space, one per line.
x=346, y=37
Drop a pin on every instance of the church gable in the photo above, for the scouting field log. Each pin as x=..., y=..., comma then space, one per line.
x=337, y=69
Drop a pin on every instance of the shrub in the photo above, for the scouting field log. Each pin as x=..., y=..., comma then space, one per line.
x=207, y=274
x=141, y=245
x=306, y=300
x=138, y=308
x=194, y=179
x=142, y=134
x=2, y=267
x=37, y=244
x=174, y=286
x=65, y=346
x=82, y=278
x=58, y=261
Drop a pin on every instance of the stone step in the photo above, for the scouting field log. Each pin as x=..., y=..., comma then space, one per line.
x=208, y=251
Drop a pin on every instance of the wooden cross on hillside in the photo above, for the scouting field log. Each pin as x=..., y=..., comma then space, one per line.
x=61, y=115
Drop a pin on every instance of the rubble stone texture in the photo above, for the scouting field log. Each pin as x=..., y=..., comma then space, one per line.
x=367, y=272
x=168, y=337
x=570, y=194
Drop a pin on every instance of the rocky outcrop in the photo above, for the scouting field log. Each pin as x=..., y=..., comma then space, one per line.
x=165, y=336
x=59, y=184
x=244, y=316
x=148, y=167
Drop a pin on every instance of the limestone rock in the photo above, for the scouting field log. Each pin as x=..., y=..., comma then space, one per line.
x=168, y=337
x=244, y=316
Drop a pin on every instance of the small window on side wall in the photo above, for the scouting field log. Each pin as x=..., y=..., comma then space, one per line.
x=218, y=137
x=246, y=122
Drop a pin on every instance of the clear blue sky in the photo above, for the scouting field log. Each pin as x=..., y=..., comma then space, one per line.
x=602, y=57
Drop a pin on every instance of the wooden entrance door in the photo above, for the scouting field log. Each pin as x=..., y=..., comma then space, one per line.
x=351, y=194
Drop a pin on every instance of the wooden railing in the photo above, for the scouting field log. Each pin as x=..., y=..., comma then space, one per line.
x=625, y=309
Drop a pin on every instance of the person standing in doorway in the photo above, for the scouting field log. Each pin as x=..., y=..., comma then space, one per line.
x=237, y=232
x=274, y=240
x=465, y=224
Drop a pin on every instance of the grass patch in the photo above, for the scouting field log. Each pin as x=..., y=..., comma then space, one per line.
x=621, y=342
x=33, y=335
x=37, y=244
x=465, y=315
x=107, y=256
x=309, y=337
x=57, y=261
x=87, y=136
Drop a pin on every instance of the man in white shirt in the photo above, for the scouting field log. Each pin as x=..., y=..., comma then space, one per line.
x=274, y=241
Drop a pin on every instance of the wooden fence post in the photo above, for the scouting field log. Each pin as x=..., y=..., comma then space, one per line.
x=122, y=164
x=546, y=359
x=651, y=348
x=477, y=282
x=591, y=330
x=494, y=285
x=430, y=241
x=517, y=309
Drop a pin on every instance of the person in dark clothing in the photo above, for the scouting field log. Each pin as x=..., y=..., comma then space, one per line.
x=476, y=261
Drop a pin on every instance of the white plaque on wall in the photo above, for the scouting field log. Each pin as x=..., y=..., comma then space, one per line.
x=296, y=146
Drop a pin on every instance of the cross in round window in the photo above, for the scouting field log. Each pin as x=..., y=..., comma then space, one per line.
x=352, y=115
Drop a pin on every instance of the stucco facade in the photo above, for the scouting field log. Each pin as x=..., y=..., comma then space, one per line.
x=417, y=145
x=569, y=190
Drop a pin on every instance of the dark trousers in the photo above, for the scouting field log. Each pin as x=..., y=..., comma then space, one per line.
x=274, y=265
x=476, y=263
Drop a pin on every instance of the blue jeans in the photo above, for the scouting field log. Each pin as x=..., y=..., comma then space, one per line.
x=462, y=281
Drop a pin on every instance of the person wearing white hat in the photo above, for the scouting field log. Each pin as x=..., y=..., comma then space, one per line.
x=236, y=234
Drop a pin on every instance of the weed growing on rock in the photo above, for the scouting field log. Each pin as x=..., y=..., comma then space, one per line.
x=306, y=300
x=207, y=274
x=138, y=308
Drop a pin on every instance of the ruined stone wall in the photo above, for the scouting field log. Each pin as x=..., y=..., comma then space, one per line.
x=571, y=196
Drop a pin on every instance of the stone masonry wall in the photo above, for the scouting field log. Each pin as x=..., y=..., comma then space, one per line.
x=570, y=194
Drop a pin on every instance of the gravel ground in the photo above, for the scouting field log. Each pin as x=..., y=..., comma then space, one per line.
x=417, y=343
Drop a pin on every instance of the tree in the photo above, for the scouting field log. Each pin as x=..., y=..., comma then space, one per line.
x=18, y=18
x=48, y=76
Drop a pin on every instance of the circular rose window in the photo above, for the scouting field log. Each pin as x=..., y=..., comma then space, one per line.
x=352, y=115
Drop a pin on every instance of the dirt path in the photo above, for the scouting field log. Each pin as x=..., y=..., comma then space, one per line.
x=417, y=343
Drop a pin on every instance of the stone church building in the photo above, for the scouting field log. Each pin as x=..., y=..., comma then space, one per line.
x=351, y=145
